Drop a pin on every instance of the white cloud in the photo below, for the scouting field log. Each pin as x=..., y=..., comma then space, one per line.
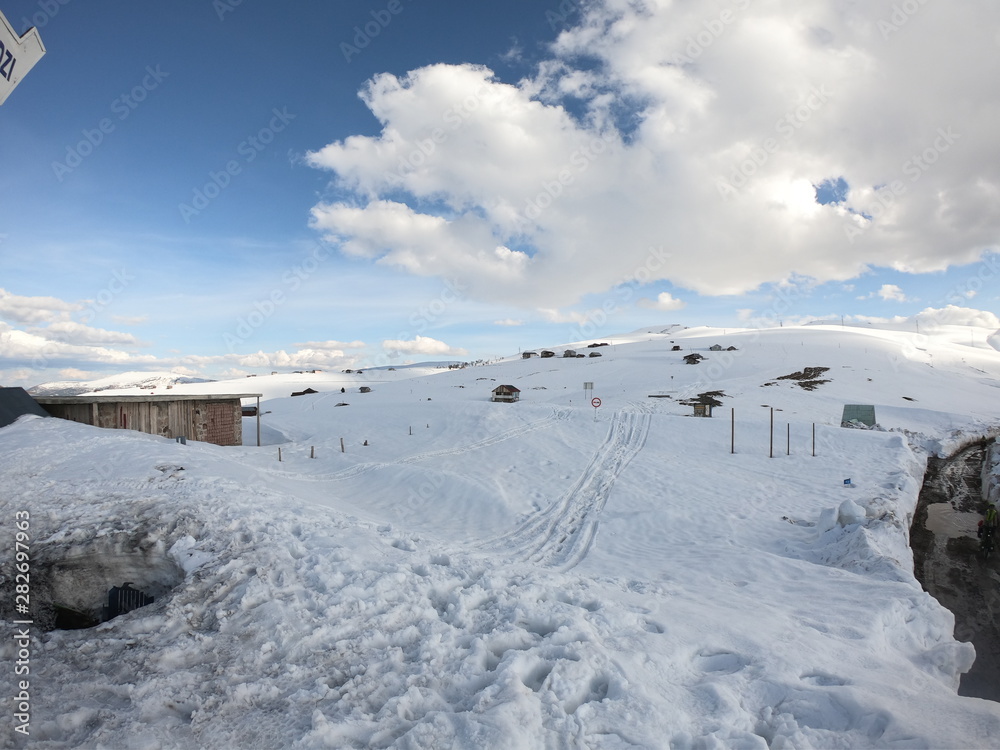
x=72, y=373
x=499, y=186
x=891, y=293
x=422, y=345
x=326, y=345
x=887, y=293
x=302, y=358
x=933, y=317
x=71, y=332
x=952, y=315
x=663, y=302
x=130, y=320
x=40, y=352
x=73, y=347
x=34, y=310
x=508, y=322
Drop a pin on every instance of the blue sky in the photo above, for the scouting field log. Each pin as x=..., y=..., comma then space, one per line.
x=232, y=187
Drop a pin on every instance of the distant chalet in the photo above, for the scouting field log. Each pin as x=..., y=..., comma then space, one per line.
x=506, y=394
x=214, y=419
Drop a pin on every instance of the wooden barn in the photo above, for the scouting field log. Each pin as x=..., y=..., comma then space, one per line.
x=506, y=394
x=214, y=419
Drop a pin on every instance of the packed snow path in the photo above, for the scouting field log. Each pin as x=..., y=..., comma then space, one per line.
x=561, y=535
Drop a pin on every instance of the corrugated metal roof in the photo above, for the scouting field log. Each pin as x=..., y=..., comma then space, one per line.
x=14, y=403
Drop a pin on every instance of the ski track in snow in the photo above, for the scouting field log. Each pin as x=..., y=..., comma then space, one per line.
x=561, y=535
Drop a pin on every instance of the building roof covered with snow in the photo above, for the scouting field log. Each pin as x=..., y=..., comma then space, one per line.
x=15, y=403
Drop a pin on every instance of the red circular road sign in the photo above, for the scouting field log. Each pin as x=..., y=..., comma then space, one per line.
x=595, y=402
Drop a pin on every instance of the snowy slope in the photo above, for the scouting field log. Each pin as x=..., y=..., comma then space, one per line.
x=541, y=574
x=133, y=381
x=269, y=386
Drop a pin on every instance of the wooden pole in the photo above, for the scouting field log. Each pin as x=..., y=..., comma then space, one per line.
x=258, y=421
x=279, y=453
x=342, y=446
x=732, y=431
x=814, y=439
x=771, y=454
x=788, y=439
x=312, y=451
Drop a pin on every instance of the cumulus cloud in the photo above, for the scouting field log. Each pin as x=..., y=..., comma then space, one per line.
x=887, y=293
x=127, y=320
x=663, y=302
x=508, y=322
x=72, y=373
x=34, y=310
x=701, y=127
x=934, y=317
x=69, y=347
x=328, y=345
x=71, y=332
x=891, y=293
x=18, y=346
x=302, y=358
x=422, y=345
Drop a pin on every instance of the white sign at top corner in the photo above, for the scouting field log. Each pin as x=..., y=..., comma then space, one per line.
x=18, y=55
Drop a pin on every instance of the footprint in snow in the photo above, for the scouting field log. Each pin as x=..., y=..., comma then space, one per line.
x=822, y=679
x=721, y=662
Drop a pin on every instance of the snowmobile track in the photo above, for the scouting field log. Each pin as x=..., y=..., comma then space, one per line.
x=561, y=535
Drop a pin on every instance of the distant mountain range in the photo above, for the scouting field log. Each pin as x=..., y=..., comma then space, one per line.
x=143, y=380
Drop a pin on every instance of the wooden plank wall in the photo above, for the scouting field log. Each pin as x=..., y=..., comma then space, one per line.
x=212, y=421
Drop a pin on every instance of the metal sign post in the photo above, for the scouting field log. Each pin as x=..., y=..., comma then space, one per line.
x=18, y=55
x=596, y=403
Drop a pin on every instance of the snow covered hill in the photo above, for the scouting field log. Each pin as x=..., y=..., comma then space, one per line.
x=451, y=572
x=129, y=381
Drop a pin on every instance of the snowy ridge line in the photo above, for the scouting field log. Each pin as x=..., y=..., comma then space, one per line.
x=561, y=535
x=359, y=469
